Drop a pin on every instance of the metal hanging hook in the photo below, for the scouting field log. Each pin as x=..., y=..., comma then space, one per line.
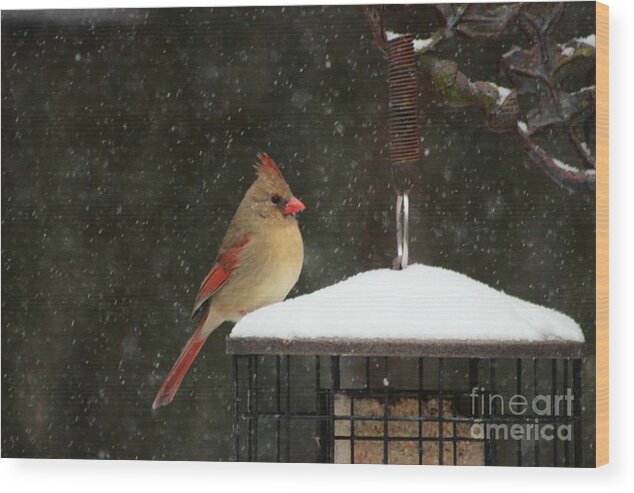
x=404, y=134
x=402, y=230
x=404, y=125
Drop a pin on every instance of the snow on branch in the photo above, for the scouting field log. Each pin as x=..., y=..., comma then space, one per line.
x=420, y=45
x=569, y=177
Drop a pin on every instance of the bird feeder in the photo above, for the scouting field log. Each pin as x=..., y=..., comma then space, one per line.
x=416, y=365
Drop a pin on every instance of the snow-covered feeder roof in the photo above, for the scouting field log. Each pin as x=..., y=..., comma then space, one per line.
x=419, y=311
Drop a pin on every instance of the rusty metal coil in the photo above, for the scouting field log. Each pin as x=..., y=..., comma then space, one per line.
x=403, y=93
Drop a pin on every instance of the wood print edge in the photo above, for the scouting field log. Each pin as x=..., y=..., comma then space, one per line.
x=602, y=236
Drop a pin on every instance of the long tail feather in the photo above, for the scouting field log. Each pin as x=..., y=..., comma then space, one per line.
x=173, y=381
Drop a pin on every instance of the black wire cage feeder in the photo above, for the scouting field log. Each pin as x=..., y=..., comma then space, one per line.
x=421, y=401
x=404, y=403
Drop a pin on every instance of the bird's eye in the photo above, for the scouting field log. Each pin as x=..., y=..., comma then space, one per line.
x=276, y=199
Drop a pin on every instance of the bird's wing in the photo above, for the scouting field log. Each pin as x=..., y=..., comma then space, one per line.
x=225, y=264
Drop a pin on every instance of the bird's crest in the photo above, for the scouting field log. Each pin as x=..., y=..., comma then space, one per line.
x=267, y=167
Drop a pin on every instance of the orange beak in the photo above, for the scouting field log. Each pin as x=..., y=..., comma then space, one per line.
x=293, y=206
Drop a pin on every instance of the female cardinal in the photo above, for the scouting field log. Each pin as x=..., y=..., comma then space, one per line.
x=259, y=262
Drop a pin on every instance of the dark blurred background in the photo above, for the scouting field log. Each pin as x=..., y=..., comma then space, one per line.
x=127, y=143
